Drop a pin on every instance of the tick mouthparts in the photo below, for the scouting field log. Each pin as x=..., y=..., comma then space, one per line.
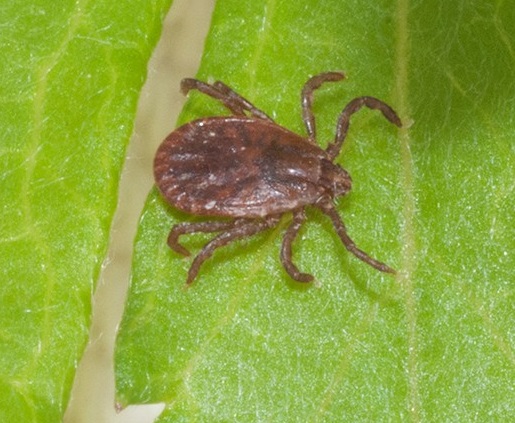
x=335, y=179
x=342, y=183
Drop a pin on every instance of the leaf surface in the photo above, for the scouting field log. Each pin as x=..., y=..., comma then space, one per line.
x=434, y=200
x=71, y=72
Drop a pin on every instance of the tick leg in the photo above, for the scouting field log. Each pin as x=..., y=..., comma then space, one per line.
x=188, y=84
x=230, y=99
x=189, y=228
x=241, y=102
x=328, y=208
x=286, y=253
x=307, y=99
x=242, y=229
x=343, y=121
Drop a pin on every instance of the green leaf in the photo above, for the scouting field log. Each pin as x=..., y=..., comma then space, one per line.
x=71, y=72
x=434, y=200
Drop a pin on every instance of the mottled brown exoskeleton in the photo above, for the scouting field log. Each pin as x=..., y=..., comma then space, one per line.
x=247, y=168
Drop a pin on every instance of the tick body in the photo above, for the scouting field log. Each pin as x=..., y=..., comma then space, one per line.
x=248, y=169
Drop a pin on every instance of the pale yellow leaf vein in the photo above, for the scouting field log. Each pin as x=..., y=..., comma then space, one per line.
x=408, y=233
x=264, y=30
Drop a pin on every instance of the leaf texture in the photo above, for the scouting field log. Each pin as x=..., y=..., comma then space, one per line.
x=434, y=199
x=71, y=74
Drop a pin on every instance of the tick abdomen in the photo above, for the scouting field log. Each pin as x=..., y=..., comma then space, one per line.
x=238, y=166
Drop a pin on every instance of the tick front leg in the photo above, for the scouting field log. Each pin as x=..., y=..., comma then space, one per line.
x=299, y=217
x=241, y=229
x=190, y=228
x=328, y=208
x=311, y=85
x=355, y=105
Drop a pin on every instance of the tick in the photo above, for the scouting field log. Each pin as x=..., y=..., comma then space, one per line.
x=249, y=170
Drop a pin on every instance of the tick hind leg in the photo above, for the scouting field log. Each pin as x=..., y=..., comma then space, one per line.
x=242, y=102
x=241, y=228
x=237, y=104
x=195, y=227
x=286, y=251
x=328, y=208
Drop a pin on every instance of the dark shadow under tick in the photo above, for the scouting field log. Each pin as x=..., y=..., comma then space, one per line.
x=247, y=168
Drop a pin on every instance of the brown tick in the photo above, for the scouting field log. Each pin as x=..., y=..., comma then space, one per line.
x=248, y=168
